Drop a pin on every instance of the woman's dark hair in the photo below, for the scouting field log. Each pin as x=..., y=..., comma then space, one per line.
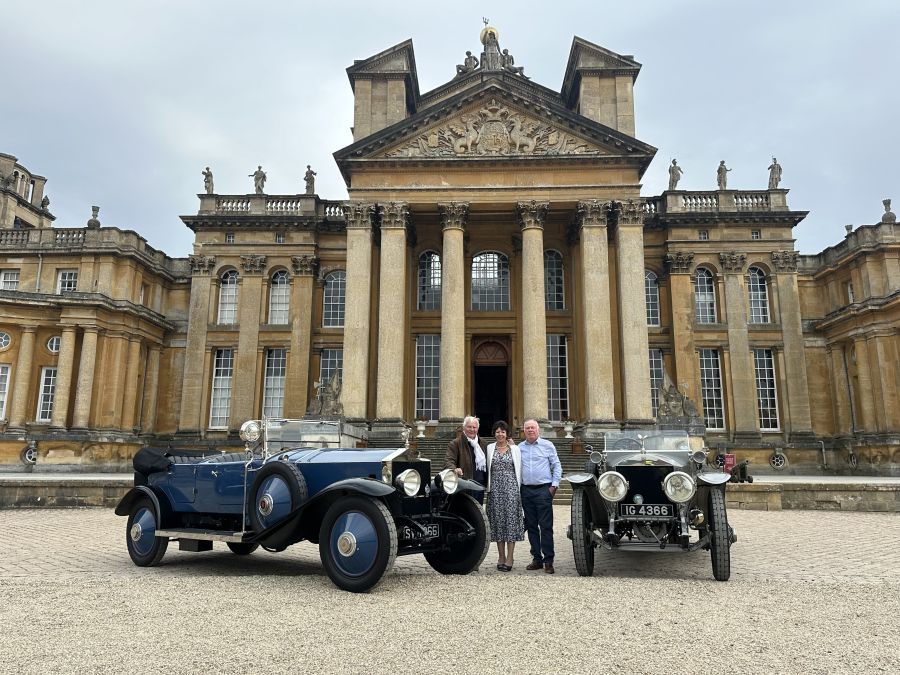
x=500, y=424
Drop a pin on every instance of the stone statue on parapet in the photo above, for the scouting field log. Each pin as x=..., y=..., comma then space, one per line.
x=507, y=62
x=259, y=180
x=888, y=216
x=310, y=178
x=490, y=57
x=93, y=222
x=208, y=181
x=774, y=174
x=674, y=175
x=468, y=65
x=45, y=202
x=722, y=175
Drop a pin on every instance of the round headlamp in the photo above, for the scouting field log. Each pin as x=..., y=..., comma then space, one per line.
x=679, y=487
x=597, y=457
x=409, y=481
x=612, y=486
x=699, y=456
x=449, y=481
x=251, y=431
x=386, y=474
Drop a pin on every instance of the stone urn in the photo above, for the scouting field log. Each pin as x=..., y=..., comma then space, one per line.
x=420, y=427
x=568, y=427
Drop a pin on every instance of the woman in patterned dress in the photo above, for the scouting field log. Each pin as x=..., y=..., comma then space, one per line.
x=504, y=510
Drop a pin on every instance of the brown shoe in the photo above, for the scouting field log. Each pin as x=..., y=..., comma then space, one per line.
x=548, y=568
x=535, y=565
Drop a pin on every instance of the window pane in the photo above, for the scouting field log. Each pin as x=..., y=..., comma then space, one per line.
x=765, y=388
x=279, y=298
x=705, y=296
x=490, y=282
x=332, y=362
x=711, y=389
x=759, y=296
x=335, y=289
x=428, y=377
x=557, y=378
x=273, y=385
x=554, y=297
x=46, y=394
x=429, y=281
x=4, y=386
x=651, y=295
x=220, y=406
x=656, y=377
x=66, y=281
x=228, y=296
x=9, y=280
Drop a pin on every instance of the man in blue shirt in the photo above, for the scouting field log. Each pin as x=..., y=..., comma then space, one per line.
x=541, y=473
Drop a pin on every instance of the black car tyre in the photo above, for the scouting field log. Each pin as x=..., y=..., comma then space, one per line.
x=357, y=543
x=144, y=547
x=241, y=548
x=465, y=556
x=720, y=536
x=277, y=490
x=582, y=547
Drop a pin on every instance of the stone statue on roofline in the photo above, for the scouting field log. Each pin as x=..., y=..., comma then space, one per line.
x=259, y=180
x=675, y=173
x=208, y=181
x=310, y=178
x=774, y=174
x=888, y=216
x=469, y=64
x=722, y=175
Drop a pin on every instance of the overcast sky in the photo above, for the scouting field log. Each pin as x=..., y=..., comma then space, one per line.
x=122, y=104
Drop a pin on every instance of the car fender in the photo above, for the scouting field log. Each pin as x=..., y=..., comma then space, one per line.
x=581, y=479
x=470, y=485
x=713, y=478
x=123, y=508
x=587, y=483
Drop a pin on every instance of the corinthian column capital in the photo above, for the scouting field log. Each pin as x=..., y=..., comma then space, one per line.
x=454, y=215
x=532, y=214
x=592, y=213
x=631, y=214
x=732, y=262
x=785, y=261
x=394, y=215
x=358, y=215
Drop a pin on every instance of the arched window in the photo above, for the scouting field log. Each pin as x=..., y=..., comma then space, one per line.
x=554, y=296
x=705, y=296
x=651, y=296
x=279, y=298
x=759, y=296
x=490, y=282
x=333, y=312
x=429, y=288
x=228, y=297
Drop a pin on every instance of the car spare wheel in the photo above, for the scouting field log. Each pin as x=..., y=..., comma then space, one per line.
x=462, y=557
x=277, y=490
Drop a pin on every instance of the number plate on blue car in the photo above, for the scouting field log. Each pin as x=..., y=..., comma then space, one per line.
x=646, y=511
x=431, y=530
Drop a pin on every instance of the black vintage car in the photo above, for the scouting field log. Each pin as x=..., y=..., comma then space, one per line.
x=362, y=506
x=650, y=490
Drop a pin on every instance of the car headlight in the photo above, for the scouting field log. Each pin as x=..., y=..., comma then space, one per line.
x=679, y=487
x=409, y=481
x=386, y=474
x=612, y=486
x=699, y=456
x=251, y=431
x=449, y=481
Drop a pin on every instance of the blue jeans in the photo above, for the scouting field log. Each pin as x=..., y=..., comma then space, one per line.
x=537, y=502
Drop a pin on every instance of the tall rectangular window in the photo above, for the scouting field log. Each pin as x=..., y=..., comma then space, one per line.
x=220, y=401
x=4, y=386
x=332, y=362
x=46, y=394
x=66, y=281
x=9, y=280
x=656, y=377
x=711, y=389
x=766, y=394
x=428, y=377
x=273, y=385
x=557, y=378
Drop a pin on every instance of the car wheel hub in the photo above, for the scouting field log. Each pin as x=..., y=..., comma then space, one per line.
x=136, y=532
x=266, y=504
x=346, y=544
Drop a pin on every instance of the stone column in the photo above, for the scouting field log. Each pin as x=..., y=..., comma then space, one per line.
x=681, y=292
x=840, y=387
x=453, y=312
x=355, y=379
x=296, y=386
x=534, y=319
x=151, y=390
x=132, y=374
x=741, y=370
x=866, y=403
x=64, y=370
x=633, y=314
x=85, y=390
x=797, y=394
x=23, y=379
x=193, y=386
x=887, y=367
x=392, y=313
x=598, y=363
x=251, y=310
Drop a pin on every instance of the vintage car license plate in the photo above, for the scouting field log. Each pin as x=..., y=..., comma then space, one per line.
x=431, y=530
x=648, y=511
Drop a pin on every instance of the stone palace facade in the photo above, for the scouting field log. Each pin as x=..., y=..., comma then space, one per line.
x=495, y=256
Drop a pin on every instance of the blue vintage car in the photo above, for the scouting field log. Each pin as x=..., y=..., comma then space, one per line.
x=362, y=506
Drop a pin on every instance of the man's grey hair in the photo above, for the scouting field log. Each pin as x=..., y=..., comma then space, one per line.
x=471, y=418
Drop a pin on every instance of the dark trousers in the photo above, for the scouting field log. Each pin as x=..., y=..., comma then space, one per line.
x=480, y=477
x=537, y=503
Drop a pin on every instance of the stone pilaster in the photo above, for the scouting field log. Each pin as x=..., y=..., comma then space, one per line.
x=534, y=323
x=840, y=387
x=800, y=416
x=392, y=313
x=453, y=311
x=598, y=363
x=64, y=369
x=85, y=390
x=865, y=408
x=251, y=308
x=633, y=314
x=886, y=368
x=296, y=390
x=194, y=385
x=151, y=390
x=113, y=372
x=680, y=266
x=741, y=373
x=23, y=379
x=132, y=372
x=358, y=304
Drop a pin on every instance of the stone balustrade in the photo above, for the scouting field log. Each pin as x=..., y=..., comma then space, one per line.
x=71, y=237
x=751, y=201
x=700, y=201
x=288, y=204
x=233, y=204
x=712, y=201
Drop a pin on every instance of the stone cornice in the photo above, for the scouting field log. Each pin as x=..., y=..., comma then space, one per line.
x=454, y=215
x=532, y=214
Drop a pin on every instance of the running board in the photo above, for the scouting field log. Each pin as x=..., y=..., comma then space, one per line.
x=207, y=535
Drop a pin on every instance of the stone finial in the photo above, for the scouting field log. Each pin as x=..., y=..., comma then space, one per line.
x=454, y=215
x=732, y=262
x=358, y=215
x=679, y=262
x=394, y=215
x=785, y=261
x=253, y=264
x=202, y=264
x=532, y=214
x=849, y=228
x=93, y=223
x=304, y=265
x=888, y=216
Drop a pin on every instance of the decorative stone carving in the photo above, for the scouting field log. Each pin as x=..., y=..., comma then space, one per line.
x=732, y=262
x=310, y=178
x=785, y=261
x=304, y=265
x=774, y=174
x=493, y=131
x=45, y=203
x=532, y=214
x=394, y=215
x=202, y=264
x=208, y=181
x=93, y=223
x=630, y=213
x=676, y=410
x=253, y=264
x=888, y=216
x=469, y=64
x=593, y=213
x=358, y=214
x=259, y=180
x=675, y=173
x=679, y=262
x=454, y=215
x=722, y=175
x=327, y=402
